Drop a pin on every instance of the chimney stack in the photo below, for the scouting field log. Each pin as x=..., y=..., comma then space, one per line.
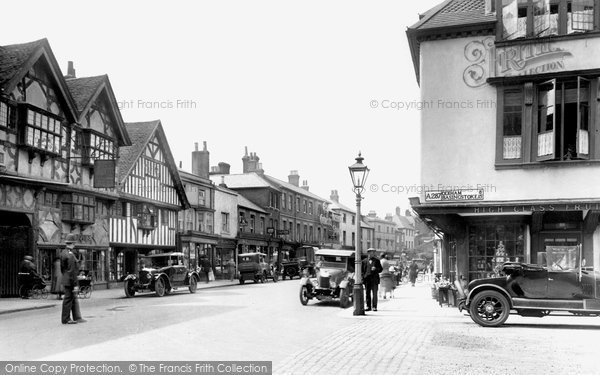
x=70, y=71
x=294, y=178
x=398, y=211
x=305, y=185
x=372, y=214
x=201, y=161
x=407, y=213
x=251, y=163
x=335, y=196
x=224, y=168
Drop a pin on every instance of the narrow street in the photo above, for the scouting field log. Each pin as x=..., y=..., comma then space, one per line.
x=410, y=334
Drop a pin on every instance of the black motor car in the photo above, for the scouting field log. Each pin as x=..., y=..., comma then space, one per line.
x=162, y=273
x=563, y=284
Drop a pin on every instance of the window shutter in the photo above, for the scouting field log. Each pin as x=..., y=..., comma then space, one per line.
x=546, y=123
x=583, y=119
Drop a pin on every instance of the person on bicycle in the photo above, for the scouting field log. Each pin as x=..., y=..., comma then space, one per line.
x=28, y=274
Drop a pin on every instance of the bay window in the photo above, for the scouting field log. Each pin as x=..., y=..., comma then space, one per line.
x=79, y=209
x=97, y=146
x=41, y=131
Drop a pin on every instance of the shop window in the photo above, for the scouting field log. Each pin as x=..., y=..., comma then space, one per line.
x=492, y=245
x=93, y=261
x=78, y=209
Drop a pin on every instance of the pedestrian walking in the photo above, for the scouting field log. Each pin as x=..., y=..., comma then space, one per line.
x=70, y=270
x=413, y=271
x=231, y=265
x=386, y=283
x=205, y=265
x=56, y=286
x=371, y=268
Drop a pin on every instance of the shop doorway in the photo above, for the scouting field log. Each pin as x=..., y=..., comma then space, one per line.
x=16, y=241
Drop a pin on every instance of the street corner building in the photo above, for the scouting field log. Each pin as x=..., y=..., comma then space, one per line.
x=68, y=166
x=510, y=130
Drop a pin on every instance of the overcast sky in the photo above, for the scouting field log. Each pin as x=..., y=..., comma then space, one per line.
x=292, y=80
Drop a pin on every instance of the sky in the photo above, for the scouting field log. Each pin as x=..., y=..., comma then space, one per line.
x=305, y=85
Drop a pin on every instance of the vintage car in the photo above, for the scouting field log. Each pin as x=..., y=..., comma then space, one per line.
x=562, y=285
x=334, y=278
x=299, y=260
x=253, y=266
x=162, y=273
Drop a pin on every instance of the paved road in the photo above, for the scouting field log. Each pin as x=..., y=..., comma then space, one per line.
x=410, y=334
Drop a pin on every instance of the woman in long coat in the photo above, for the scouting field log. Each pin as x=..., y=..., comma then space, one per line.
x=56, y=287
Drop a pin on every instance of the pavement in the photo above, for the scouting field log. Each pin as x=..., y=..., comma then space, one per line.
x=14, y=305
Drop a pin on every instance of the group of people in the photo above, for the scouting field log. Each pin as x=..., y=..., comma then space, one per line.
x=378, y=272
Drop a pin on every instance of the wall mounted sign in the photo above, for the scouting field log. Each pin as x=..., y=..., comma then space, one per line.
x=454, y=195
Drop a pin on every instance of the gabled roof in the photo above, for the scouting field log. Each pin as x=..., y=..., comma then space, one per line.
x=86, y=90
x=17, y=59
x=243, y=202
x=141, y=133
x=449, y=15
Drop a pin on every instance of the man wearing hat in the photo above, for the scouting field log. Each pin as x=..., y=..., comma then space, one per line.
x=70, y=269
x=371, y=267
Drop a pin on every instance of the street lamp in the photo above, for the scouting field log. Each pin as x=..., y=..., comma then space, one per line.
x=359, y=173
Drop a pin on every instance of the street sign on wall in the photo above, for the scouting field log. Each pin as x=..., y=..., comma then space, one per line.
x=458, y=195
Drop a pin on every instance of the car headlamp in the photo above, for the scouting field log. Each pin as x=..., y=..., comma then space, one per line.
x=333, y=284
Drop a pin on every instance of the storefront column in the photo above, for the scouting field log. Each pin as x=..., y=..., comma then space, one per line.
x=596, y=258
x=462, y=252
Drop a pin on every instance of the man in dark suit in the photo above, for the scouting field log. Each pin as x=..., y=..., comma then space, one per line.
x=371, y=267
x=70, y=269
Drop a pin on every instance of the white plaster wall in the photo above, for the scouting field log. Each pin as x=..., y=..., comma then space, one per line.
x=459, y=144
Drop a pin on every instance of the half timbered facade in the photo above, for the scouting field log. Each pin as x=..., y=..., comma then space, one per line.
x=150, y=196
x=48, y=187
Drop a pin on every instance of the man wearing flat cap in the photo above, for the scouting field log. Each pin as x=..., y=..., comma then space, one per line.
x=371, y=267
x=70, y=269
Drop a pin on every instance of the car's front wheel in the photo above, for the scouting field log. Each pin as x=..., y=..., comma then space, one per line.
x=129, y=287
x=304, y=295
x=193, y=284
x=160, y=287
x=489, y=308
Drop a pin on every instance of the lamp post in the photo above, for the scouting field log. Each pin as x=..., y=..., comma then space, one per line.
x=359, y=173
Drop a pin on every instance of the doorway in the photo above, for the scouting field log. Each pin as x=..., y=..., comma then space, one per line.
x=16, y=236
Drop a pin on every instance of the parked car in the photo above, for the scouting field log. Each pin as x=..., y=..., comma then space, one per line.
x=334, y=278
x=300, y=259
x=563, y=284
x=253, y=266
x=162, y=273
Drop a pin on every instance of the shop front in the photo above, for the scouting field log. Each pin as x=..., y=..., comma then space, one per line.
x=480, y=237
